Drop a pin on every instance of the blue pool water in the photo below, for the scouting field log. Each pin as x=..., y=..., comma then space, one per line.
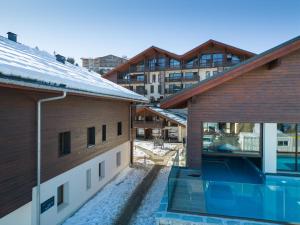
x=234, y=187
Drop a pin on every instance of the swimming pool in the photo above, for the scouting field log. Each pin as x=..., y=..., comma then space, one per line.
x=234, y=187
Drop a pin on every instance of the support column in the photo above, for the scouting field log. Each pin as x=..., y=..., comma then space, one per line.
x=179, y=133
x=270, y=148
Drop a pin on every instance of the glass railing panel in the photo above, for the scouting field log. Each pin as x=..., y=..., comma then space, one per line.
x=269, y=201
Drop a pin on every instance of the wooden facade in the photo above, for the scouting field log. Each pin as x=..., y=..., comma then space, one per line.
x=18, y=138
x=259, y=96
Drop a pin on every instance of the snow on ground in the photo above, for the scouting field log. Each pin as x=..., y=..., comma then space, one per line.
x=146, y=213
x=156, y=150
x=104, y=207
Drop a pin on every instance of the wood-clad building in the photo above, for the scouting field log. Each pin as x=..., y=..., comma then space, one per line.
x=157, y=73
x=156, y=123
x=251, y=110
x=85, y=135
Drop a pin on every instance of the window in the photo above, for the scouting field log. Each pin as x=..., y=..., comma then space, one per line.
x=205, y=60
x=88, y=179
x=101, y=170
x=140, y=90
x=161, y=62
x=153, y=78
x=174, y=63
x=191, y=63
x=190, y=75
x=288, y=142
x=207, y=74
x=64, y=143
x=152, y=64
x=283, y=143
x=119, y=128
x=233, y=59
x=188, y=85
x=91, y=136
x=159, y=89
x=118, y=159
x=231, y=138
x=173, y=88
x=140, y=78
x=60, y=195
x=103, y=132
x=175, y=76
x=152, y=89
x=217, y=59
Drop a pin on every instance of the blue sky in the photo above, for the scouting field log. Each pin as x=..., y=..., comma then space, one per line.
x=89, y=28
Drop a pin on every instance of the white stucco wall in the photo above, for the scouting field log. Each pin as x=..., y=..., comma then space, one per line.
x=77, y=193
x=21, y=216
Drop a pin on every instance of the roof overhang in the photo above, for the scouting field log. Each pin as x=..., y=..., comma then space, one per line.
x=22, y=85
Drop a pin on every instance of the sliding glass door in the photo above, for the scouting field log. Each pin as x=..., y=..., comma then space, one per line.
x=288, y=135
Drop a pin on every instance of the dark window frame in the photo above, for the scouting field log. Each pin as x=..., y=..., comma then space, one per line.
x=91, y=136
x=119, y=128
x=104, y=129
x=64, y=143
x=60, y=195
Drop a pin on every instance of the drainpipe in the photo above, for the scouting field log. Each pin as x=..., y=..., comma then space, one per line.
x=130, y=134
x=38, y=188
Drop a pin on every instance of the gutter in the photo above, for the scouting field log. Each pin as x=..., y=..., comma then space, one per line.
x=52, y=87
x=38, y=189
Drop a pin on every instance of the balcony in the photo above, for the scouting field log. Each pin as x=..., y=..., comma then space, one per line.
x=148, y=124
x=130, y=81
x=191, y=78
x=173, y=79
x=172, y=91
x=141, y=91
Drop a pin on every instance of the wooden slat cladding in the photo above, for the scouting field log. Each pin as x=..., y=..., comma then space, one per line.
x=17, y=149
x=18, y=138
x=76, y=114
x=262, y=95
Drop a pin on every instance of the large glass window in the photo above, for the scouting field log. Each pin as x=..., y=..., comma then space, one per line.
x=231, y=138
x=233, y=59
x=217, y=59
x=175, y=76
x=174, y=64
x=205, y=60
x=287, y=147
x=152, y=63
x=190, y=75
x=191, y=63
x=140, y=66
x=173, y=88
x=161, y=62
x=140, y=77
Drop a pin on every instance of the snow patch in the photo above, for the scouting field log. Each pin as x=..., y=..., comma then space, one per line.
x=104, y=207
x=146, y=213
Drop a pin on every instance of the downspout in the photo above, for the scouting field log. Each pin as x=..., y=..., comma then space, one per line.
x=38, y=188
x=130, y=134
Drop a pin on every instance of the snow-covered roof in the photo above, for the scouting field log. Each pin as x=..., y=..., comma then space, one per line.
x=170, y=115
x=30, y=67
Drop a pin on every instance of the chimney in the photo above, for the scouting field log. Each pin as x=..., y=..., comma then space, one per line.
x=12, y=36
x=60, y=58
